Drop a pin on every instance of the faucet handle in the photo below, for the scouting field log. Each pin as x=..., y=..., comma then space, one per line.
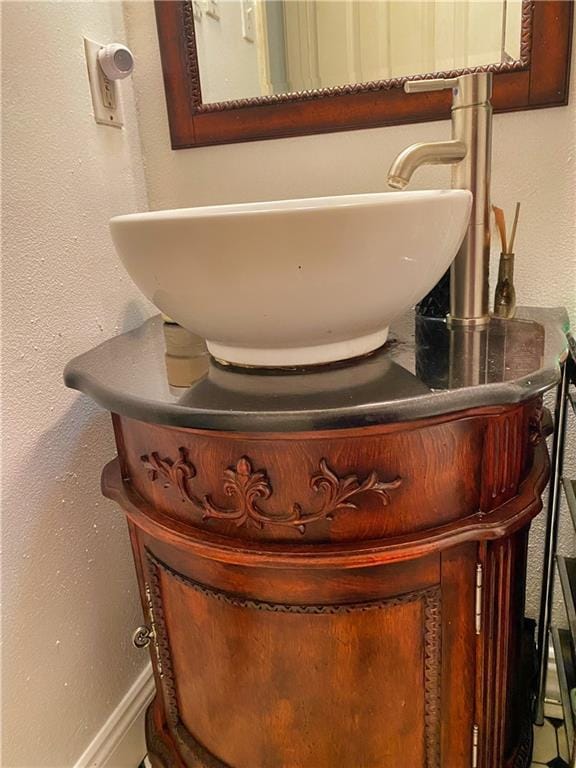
x=467, y=90
x=436, y=84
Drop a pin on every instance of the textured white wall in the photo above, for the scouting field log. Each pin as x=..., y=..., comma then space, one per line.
x=70, y=597
x=534, y=161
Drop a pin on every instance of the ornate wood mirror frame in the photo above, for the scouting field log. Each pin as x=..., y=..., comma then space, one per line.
x=538, y=79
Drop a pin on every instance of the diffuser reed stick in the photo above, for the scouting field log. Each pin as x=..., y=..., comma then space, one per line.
x=501, y=224
x=510, y=248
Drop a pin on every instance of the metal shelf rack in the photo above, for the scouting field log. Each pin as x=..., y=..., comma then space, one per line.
x=564, y=641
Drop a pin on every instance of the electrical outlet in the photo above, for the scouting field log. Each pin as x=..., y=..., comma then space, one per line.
x=105, y=98
x=248, y=20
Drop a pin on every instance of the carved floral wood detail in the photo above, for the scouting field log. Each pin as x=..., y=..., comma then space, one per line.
x=247, y=487
x=176, y=473
x=535, y=425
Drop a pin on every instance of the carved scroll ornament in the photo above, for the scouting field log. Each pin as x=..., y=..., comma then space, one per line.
x=535, y=425
x=248, y=488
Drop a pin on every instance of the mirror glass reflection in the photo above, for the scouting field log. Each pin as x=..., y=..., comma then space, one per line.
x=252, y=48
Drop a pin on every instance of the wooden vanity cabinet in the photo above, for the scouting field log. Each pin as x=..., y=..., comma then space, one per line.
x=349, y=598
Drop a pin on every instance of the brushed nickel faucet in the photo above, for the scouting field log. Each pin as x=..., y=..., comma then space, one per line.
x=470, y=153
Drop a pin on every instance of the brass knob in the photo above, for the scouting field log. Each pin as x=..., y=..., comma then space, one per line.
x=141, y=637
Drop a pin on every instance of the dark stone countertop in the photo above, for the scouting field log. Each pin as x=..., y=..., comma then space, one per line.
x=161, y=373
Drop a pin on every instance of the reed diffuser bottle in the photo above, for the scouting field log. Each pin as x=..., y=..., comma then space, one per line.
x=505, y=294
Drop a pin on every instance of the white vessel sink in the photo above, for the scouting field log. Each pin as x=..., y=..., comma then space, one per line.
x=294, y=282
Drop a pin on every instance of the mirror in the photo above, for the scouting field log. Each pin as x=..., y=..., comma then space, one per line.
x=241, y=70
x=255, y=48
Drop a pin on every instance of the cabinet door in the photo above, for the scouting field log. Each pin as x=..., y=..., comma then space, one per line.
x=357, y=683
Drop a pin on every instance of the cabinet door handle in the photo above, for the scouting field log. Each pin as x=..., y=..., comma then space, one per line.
x=141, y=637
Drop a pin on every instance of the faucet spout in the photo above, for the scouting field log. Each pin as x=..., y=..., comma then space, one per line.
x=424, y=153
x=470, y=152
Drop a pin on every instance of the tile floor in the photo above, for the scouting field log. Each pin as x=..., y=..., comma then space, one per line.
x=550, y=746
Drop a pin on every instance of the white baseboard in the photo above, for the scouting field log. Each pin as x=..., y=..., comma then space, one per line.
x=120, y=742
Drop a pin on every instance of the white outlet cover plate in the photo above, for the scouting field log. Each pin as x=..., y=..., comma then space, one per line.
x=102, y=114
x=248, y=20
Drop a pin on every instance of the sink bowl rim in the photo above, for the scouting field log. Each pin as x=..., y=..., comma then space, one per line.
x=292, y=205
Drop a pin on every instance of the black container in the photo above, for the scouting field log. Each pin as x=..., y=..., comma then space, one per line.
x=436, y=303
